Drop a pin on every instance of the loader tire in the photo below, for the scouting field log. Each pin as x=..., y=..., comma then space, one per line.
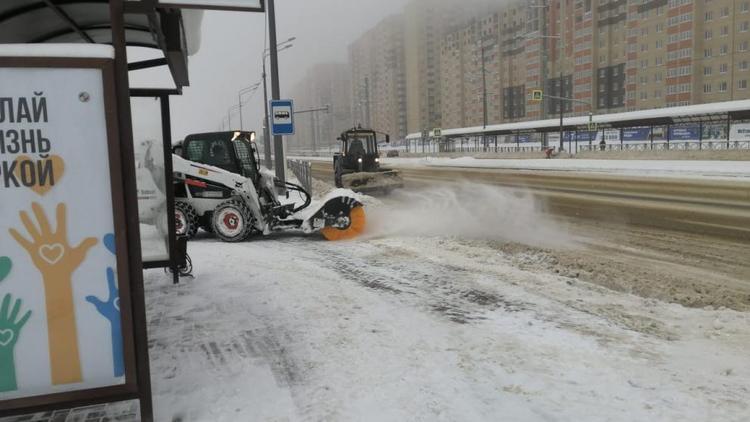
x=232, y=221
x=185, y=220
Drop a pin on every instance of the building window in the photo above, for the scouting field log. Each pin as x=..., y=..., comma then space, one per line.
x=723, y=86
x=709, y=16
x=725, y=31
x=744, y=26
x=743, y=46
x=742, y=84
x=724, y=50
x=708, y=35
x=745, y=6
x=743, y=65
x=707, y=88
x=707, y=53
x=708, y=70
x=723, y=68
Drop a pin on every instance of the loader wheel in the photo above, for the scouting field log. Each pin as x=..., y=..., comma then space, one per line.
x=356, y=226
x=185, y=220
x=232, y=221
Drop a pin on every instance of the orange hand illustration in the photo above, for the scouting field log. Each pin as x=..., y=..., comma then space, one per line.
x=57, y=260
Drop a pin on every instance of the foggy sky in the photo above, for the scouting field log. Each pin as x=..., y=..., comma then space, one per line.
x=230, y=58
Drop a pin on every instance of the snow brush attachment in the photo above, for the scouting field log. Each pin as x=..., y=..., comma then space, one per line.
x=356, y=226
x=341, y=218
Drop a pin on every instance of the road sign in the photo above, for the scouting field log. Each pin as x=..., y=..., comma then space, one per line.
x=437, y=132
x=537, y=95
x=282, y=117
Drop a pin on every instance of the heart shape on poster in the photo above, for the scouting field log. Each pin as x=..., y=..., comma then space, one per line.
x=109, y=243
x=6, y=337
x=52, y=254
x=50, y=181
x=5, y=265
x=117, y=304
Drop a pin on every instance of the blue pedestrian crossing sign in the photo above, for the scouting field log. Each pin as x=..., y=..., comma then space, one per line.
x=282, y=117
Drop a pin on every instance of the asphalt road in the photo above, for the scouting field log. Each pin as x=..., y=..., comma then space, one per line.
x=682, y=241
x=700, y=206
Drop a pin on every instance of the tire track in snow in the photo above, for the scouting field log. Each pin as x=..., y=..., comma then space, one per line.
x=447, y=290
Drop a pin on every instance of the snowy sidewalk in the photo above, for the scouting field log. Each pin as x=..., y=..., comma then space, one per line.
x=426, y=329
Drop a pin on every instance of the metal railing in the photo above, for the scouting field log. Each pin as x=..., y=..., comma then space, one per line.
x=303, y=172
x=713, y=145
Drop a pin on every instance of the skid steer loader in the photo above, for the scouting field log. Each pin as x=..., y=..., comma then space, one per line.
x=357, y=166
x=221, y=187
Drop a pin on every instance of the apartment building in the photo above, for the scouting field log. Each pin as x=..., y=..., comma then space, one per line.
x=378, y=79
x=608, y=55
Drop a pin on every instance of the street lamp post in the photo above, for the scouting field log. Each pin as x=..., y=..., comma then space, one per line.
x=249, y=89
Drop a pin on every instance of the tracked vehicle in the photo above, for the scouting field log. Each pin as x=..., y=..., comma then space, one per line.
x=221, y=187
x=357, y=166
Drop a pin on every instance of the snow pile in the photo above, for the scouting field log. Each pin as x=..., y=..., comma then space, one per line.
x=732, y=170
x=467, y=210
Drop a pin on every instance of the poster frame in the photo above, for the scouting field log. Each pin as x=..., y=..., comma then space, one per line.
x=127, y=264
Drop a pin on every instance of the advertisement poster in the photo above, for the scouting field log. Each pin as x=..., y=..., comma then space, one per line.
x=740, y=132
x=684, y=133
x=636, y=134
x=60, y=327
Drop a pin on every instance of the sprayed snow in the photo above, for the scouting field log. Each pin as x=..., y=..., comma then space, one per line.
x=468, y=211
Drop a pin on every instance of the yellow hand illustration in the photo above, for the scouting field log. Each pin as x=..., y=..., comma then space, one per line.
x=57, y=260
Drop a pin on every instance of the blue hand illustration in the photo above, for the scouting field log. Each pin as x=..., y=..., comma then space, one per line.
x=109, y=243
x=111, y=310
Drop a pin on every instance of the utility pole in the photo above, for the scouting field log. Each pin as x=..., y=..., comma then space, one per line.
x=275, y=89
x=368, y=123
x=484, y=93
x=560, y=55
x=266, y=134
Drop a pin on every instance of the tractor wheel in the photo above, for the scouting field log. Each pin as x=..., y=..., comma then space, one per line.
x=185, y=220
x=356, y=226
x=232, y=221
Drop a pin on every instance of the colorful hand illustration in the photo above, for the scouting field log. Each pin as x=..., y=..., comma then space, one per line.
x=5, y=266
x=10, y=330
x=111, y=310
x=57, y=260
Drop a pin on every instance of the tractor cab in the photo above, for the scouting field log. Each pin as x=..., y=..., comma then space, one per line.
x=359, y=150
x=234, y=152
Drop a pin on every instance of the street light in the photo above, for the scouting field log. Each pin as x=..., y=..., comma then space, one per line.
x=266, y=135
x=251, y=89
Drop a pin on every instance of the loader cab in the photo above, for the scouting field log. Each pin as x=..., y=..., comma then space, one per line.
x=234, y=152
x=359, y=149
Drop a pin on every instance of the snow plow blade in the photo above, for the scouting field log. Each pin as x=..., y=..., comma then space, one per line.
x=382, y=181
x=341, y=217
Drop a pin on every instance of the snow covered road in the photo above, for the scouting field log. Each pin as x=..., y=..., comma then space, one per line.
x=429, y=329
